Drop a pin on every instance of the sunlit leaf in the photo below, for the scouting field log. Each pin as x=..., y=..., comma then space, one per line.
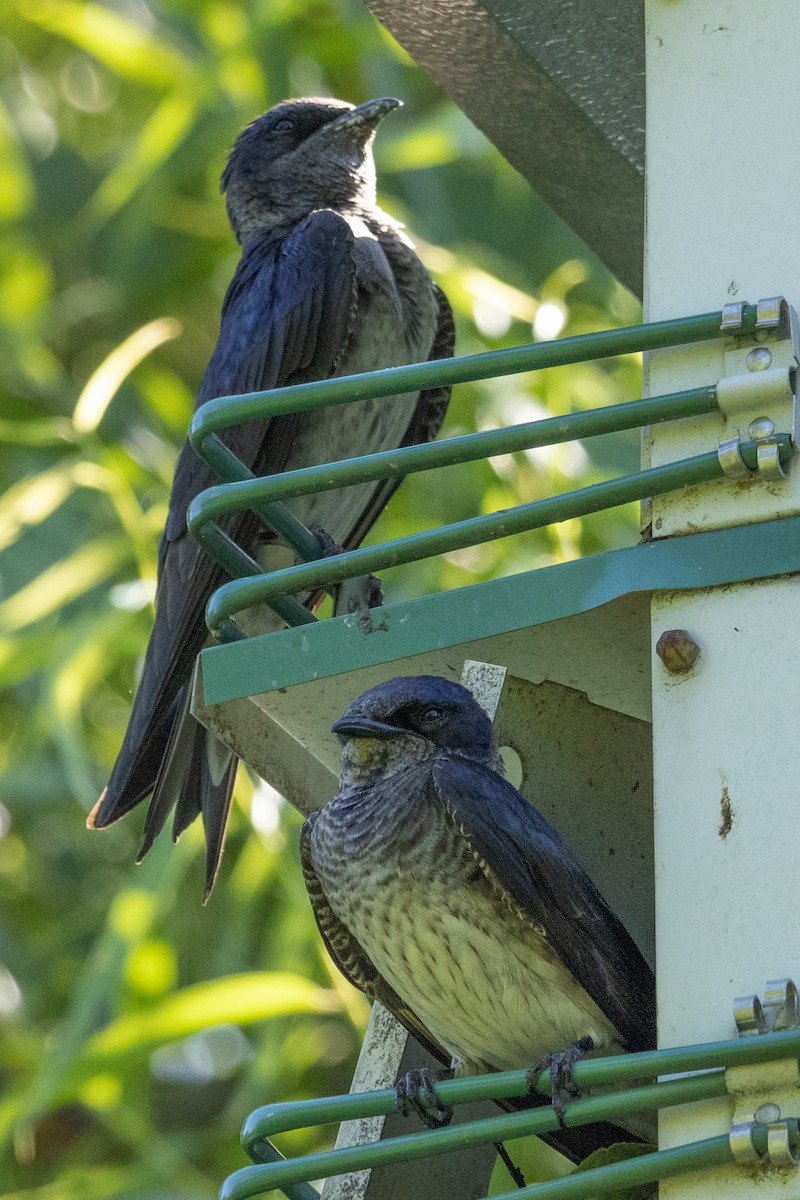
x=96, y=1182
x=25, y=283
x=31, y=500
x=21, y=657
x=94, y=989
x=46, y=432
x=63, y=582
x=418, y=150
x=241, y=999
x=619, y=1152
x=16, y=183
x=104, y=383
x=124, y=46
x=166, y=128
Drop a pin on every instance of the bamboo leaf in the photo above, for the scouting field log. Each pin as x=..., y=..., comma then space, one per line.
x=105, y=382
x=63, y=582
x=126, y=47
x=240, y=999
x=160, y=135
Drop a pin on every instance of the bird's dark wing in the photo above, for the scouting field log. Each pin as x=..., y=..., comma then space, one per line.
x=426, y=420
x=286, y=318
x=522, y=854
x=349, y=956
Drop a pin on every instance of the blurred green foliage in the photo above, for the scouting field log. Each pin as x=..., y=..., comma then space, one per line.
x=136, y=1027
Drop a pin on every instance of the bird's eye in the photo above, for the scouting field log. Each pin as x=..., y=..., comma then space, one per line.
x=283, y=125
x=432, y=715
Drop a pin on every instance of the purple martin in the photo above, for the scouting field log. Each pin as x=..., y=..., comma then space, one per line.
x=327, y=285
x=441, y=892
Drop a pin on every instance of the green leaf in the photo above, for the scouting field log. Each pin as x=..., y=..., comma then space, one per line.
x=63, y=582
x=160, y=135
x=241, y=999
x=126, y=47
x=621, y=1152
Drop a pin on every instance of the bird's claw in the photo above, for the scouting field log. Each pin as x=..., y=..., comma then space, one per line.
x=416, y=1092
x=352, y=595
x=326, y=543
x=560, y=1064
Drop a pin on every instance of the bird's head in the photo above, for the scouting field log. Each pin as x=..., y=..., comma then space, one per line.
x=408, y=719
x=300, y=156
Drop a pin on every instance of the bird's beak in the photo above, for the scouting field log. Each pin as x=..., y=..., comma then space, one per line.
x=365, y=116
x=363, y=727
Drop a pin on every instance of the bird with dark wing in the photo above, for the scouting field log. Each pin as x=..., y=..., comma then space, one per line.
x=327, y=285
x=444, y=894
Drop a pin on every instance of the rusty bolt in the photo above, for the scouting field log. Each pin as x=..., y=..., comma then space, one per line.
x=678, y=651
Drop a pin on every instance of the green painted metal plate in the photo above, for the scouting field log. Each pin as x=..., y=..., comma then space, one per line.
x=430, y=623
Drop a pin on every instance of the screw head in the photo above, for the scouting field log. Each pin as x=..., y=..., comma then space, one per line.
x=767, y=1113
x=762, y=427
x=678, y=651
x=759, y=358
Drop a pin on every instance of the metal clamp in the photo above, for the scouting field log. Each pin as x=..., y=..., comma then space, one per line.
x=782, y=1149
x=770, y=467
x=743, y=1148
x=729, y=457
x=749, y=1016
x=732, y=317
x=770, y=313
x=781, y=1005
x=780, y=1009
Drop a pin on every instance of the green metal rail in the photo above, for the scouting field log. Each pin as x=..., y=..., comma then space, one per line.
x=242, y=593
x=266, y=496
x=273, y=1172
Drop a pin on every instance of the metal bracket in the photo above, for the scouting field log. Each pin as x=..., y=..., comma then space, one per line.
x=780, y=1148
x=732, y=317
x=768, y=460
x=760, y=1134
x=780, y=1009
x=759, y=385
x=772, y=313
x=729, y=457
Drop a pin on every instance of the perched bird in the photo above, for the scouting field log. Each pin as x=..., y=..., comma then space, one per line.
x=327, y=285
x=441, y=892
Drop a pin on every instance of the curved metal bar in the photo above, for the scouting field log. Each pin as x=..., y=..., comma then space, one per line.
x=242, y=593
x=265, y=1122
x=225, y=411
x=252, y=1181
x=392, y=464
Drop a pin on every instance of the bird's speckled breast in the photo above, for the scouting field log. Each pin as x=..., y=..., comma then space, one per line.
x=400, y=876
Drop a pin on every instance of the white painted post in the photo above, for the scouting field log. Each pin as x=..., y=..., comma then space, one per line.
x=723, y=224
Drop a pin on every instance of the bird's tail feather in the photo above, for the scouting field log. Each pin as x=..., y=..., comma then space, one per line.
x=196, y=776
x=219, y=777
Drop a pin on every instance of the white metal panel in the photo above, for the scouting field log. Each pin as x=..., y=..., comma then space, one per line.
x=723, y=159
x=723, y=155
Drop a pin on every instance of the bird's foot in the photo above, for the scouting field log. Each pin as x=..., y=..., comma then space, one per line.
x=416, y=1092
x=352, y=595
x=327, y=545
x=560, y=1064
